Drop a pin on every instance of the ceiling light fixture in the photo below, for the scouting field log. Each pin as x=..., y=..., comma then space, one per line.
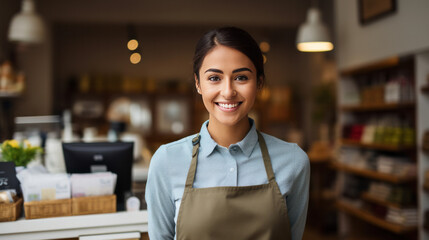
x=313, y=35
x=27, y=26
x=133, y=45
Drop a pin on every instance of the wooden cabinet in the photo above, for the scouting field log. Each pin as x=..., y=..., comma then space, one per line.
x=376, y=162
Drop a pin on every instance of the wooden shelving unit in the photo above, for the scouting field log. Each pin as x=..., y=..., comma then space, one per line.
x=378, y=107
x=373, y=174
x=370, y=198
x=381, y=147
x=383, y=64
x=374, y=95
x=368, y=217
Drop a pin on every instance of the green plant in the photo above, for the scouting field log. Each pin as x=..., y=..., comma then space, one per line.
x=21, y=153
x=324, y=103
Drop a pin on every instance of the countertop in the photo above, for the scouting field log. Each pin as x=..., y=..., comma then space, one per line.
x=74, y=226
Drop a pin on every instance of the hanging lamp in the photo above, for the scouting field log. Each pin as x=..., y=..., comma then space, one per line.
x=313, y=35
x=27, y=26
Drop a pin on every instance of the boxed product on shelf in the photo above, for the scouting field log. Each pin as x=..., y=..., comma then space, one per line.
x=354, y=187
x=350, y=94
x=403, y=196
x=406, y=217
x=380, y=190
x=391, y=194
x=92, y=184
x=352, y=157
x=49, y=195
x=390, y=130
x=399, y=166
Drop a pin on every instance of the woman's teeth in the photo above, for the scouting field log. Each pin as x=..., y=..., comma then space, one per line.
x=228, y=105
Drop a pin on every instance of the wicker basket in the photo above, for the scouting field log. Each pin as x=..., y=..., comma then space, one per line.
x=10, y=211
x=48, y=208
x=92, y=205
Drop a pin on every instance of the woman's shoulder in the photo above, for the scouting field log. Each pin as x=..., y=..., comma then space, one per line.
x=183, y=142
x=274, y=142
x=174, y=149
x=286, y=152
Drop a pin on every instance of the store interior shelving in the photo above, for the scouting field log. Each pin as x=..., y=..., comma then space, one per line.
x=378, y=132
x=369, y=217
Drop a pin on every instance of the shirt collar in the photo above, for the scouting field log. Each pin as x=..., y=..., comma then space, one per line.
x=207, y=144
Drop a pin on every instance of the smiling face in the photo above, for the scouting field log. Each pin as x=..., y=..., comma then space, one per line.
x=228, y=85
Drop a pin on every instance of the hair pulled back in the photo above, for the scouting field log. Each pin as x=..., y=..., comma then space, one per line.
x=232, y=37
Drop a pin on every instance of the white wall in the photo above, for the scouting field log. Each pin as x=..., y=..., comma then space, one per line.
x=404, y=32
x=422, y=72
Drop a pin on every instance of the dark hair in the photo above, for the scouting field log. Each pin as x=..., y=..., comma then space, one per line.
x=232, y=37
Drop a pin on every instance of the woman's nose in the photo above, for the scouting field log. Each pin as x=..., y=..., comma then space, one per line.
x=228, y=90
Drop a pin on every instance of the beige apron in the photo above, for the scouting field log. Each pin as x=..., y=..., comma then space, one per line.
x=252, y=212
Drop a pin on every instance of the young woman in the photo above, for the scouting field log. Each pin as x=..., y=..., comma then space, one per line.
x=229, y=181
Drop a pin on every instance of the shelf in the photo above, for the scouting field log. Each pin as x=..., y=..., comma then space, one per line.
x=366, y=216
x=373, y=174
x=425, y=88
x=382, y=147
x=9, y=94
x=319, y=159
x=378, y=107
x=386, y=63
x=370, y=198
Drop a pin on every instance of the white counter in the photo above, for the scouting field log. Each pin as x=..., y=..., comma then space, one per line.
x=74, y=226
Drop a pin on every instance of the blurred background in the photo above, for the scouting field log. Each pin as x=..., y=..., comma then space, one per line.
x=105, y=69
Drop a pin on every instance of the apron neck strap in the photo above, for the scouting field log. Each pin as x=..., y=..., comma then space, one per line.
x=266, y=157
x=196, y=145
x=193, y=167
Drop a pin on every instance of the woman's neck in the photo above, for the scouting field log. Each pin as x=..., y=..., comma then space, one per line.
x=226, y=135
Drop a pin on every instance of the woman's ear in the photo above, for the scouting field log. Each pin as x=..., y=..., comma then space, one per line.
x=197, y=83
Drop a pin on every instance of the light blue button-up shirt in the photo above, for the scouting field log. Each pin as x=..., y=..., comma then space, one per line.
x=239, y=165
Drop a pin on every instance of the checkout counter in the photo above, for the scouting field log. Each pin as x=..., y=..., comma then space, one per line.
x=119, y=225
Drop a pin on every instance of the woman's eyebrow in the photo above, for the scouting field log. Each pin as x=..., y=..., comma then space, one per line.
x=213, y=70
x=241, y=70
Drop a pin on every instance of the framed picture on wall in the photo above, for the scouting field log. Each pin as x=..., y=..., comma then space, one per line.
x=173, y=115
x=371, y=10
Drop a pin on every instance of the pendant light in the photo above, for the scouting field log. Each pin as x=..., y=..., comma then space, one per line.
x=313, y=35
x=27, y=26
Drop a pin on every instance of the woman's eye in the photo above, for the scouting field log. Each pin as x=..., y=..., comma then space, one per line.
x=241, y=78
x=214, y=78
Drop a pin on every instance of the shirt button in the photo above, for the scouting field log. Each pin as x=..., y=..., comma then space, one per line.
x=231, y=169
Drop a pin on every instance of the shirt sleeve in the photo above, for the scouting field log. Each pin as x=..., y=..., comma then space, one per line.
x=297, y=201
x=159, y=198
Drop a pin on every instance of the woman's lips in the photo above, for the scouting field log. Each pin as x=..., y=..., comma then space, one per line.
x=228, y=107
